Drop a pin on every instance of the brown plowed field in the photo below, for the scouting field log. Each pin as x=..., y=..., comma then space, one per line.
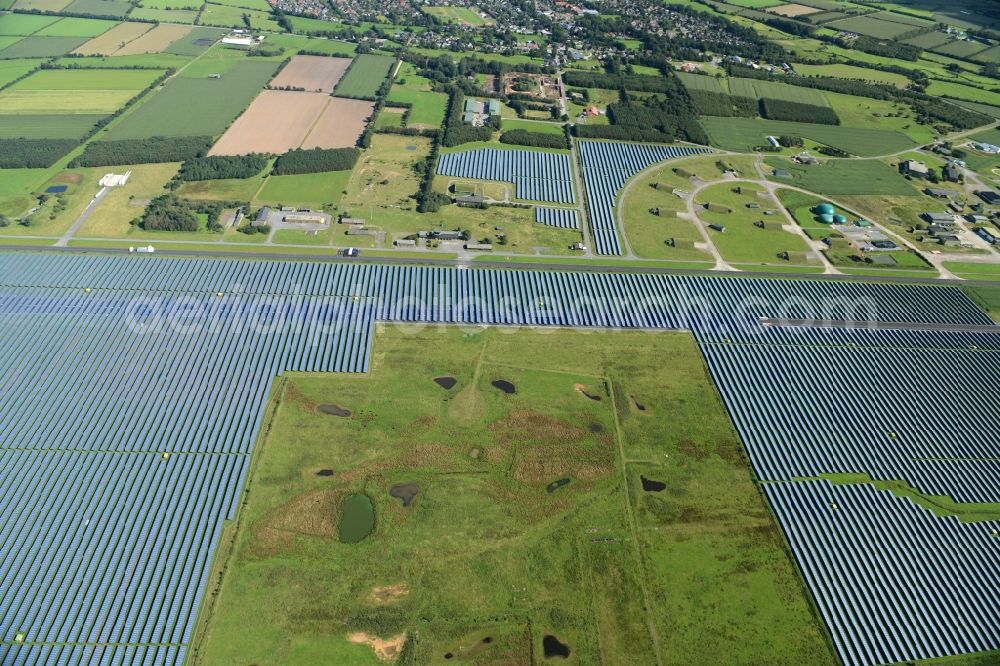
x=275, y=122
x=114, y=39
x=311, y=73
x=341, y=124
x=155, y=40
x=792, y=10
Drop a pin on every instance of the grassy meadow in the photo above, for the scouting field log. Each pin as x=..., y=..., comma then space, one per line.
x=496, y=550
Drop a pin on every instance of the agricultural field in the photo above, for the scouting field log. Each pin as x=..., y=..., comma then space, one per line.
x=872, y=25
x=365, y=76
x=21, y=25
x=171, y=4
x=845, y=177
x=195, y=42
x=340, y=124
x=110, y=8
x=390, y=116
x=230, y=16
x=533, y=126
x=276, y=122
x=46, y=126
x=164, y=15
x=41, y=47
x=196, y=106
x=76, y=27
x=842, y=71
x=311, y=73
x=742, y=134
x=11, y=70
x=479, y=465
x=40, y=5
x=758, y=89
x=155, y=41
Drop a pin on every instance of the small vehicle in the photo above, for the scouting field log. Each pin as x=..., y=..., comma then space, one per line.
x=351, y=252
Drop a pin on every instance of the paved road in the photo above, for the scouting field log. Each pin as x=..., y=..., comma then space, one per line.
x=68, y=236
x=583, y=267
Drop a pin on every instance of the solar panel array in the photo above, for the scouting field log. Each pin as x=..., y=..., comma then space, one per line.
x=894, y=582
x=607, y=166
x=562, y=218
x=107, y=363
x=537, y=176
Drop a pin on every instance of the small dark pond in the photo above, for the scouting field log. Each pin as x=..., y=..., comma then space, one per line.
x=556, y=485
x=357, y=518
x=405, y=492
x=595, y=398
x=638, y=405
x=447, y=383
x=596, y=427
x=504, y=385
x=553, y=647
x=334, y=410
x=652, y=485
x=488, y=640
x=325, y=472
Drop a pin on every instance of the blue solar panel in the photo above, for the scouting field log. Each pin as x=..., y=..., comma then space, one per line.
x=107, y=362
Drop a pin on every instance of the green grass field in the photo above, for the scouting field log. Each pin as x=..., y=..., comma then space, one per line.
x=50, y=126
x=873, y=27
x=172, y=4
x=486, y=561
x=259, y=5
x=60, y=101
x=24, y=24
x=365, y=76
x=41, y=47
x=84, y=79
x=428, y=108
x=114, y=8
x=845, y=177
x=462, y=15
x=964, y=92
x=11, y=70
x=190, y=107
x=194, y=43
x=164, y=15
x=742, y=134
x=757, y=89
x=533, y=126
x=842, y=71
x=77, y=27
x=224, y=15
x=312, y=189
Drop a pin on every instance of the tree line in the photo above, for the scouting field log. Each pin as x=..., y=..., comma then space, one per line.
x=316, y=160
x=222, y=166
x=143, y=151
x=520, y=137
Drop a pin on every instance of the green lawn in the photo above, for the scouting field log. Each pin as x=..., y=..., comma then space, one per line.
x=742, y=134
x=427, y=110
x=742, y=241
x=313, y=189
x=485, y=561
x=844, y=177
x=533, y=126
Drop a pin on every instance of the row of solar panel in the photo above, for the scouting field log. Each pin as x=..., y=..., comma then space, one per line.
x=893, y=582
x=561, y=218
x=607, y=166
x=537, y=176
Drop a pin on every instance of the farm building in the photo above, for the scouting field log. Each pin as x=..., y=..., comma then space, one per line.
x=114, y=179
x=914, y=169
x=354, y=221
x=988, y=148
x=950, y=173
x=937, y=192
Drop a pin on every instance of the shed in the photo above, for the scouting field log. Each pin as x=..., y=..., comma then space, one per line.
x=941, y=219
x=938, y=192
x=405, y=242
x=482, y=247
x=914, y=168
x=494, y=107
x=989, y=197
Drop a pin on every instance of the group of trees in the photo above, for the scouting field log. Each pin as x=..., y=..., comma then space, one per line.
x=222, y=166
x=708, y=103
x=520, y=137
x=143, y=151
x=33, y=153
x=316, y=160
x=169, y=212
x=928, y=109
x=666, y=118
x=779, y=109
